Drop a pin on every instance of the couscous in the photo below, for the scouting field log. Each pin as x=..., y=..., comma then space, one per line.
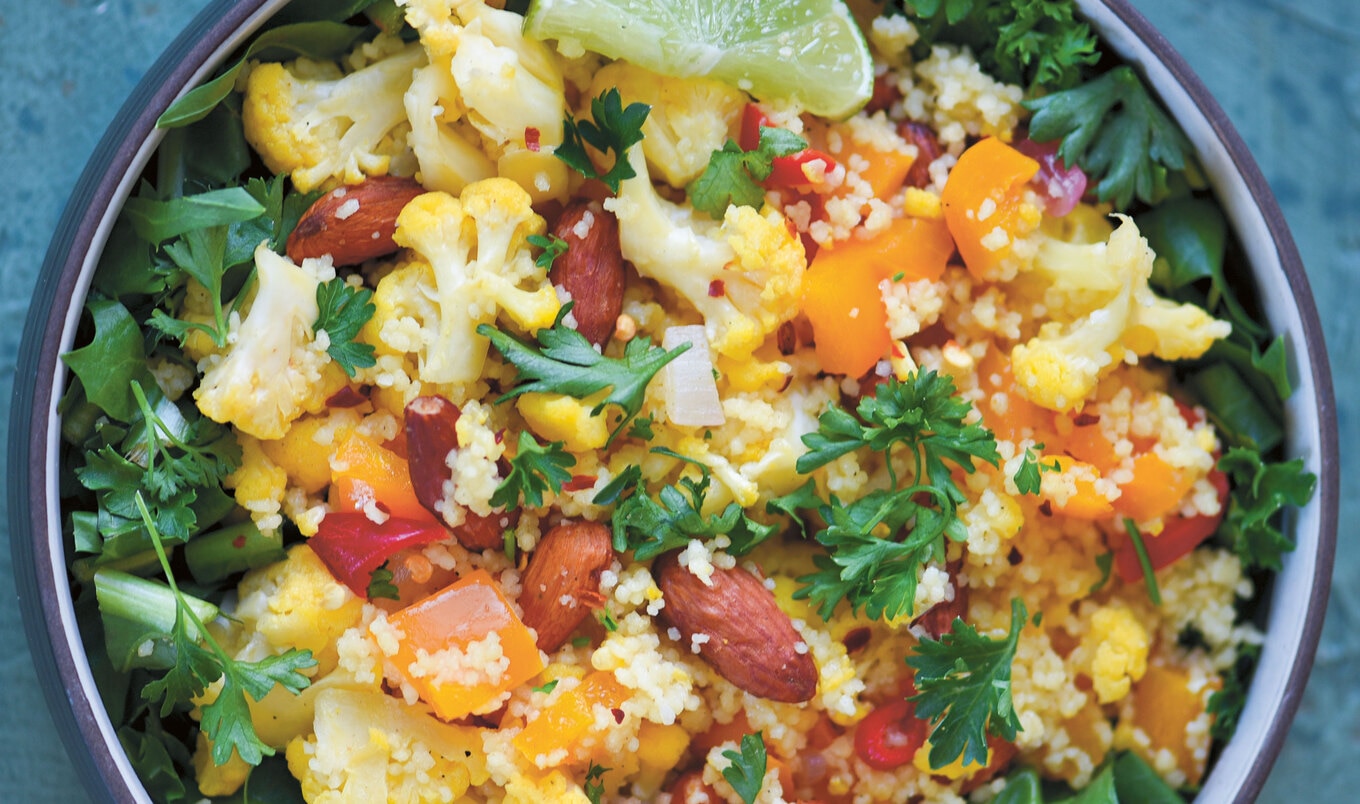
x=473, y=416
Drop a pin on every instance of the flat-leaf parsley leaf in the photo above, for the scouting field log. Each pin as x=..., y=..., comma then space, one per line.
x=746, y=774
x=343, y=311
x=614, y=128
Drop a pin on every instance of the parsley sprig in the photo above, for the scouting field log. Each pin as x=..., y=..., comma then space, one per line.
x=553, y=247
x=564, y=362
x=964, y=689
x=614, y=128
x=733, y=176
x=877, y=544
x=1029, y=477
x=746, y=774
x=650, y=526
x=343, y=311
x=1116, y=132
x=1260, y=490
x=226, y=721
x=535, y=469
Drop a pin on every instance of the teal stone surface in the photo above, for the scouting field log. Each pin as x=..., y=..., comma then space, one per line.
x=1287, y=74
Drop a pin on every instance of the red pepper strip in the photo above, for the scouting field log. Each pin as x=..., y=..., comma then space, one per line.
x=351, y=545
x=1179, y=536
x=786, y=171
x=890, y=736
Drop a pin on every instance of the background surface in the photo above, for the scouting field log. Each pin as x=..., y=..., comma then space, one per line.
x=1286, y=71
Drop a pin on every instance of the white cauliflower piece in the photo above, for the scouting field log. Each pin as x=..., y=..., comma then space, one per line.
x=1061, y=366
x=689, y=120
x=744, y=276
x=322, y=130
x=274, y=370
x=485, y=74
x=476, y=247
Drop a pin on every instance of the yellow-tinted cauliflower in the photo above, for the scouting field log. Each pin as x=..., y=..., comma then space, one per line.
x=744, y=276
x=474, y=260
x=486, y=87
x=328, y=129
x=370, y=747
x=274, y=370
x=689, y=120
x=1061, y=366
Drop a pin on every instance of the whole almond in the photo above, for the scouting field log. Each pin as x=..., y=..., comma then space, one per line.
x=751, y=642
x=939, y=618
x=562, y=582
x=353, y=223
x=927, y=151
x=591, y=269
x=431, y=434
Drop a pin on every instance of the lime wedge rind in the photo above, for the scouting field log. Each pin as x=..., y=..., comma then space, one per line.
x=810, y=52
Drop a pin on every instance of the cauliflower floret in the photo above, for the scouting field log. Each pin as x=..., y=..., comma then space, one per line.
x=744, y=276
x=689, y=120
x=323, y=130
x=1061, y=366
x=1116, y=648
x=274, y=369
x=297, y=603
x=478, y=258
x=485, y=74
x=368, y=746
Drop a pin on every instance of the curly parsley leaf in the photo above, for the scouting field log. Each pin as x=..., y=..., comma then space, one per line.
x=380, y=584
x=746, y=774
x=1029, y=477
x=226, y=721
x=964, y=689
x=922, y=414
x=733, y=176
x=1116, y=132
x=564, y=362
x=1027, y=42
x=343, y=311
x=614, y=128
x=650, y=526
x=1260, y=490
x=535, y=468
x=865, y=564
x=594, y=784
x=553, y=247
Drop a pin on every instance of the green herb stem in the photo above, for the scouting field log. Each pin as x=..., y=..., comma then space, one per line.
x=1144, y=561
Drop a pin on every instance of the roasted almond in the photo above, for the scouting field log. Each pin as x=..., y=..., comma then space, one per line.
x=591, y=269
x=750, y=641
x=431, y=434
x=353, y=223
x=562, y=582
x=939, y=618
x=927, y=151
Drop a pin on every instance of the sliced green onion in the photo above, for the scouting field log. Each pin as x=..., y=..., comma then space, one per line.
x=1143, y=561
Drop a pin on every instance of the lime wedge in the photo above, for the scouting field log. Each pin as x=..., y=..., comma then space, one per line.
x=807, y=51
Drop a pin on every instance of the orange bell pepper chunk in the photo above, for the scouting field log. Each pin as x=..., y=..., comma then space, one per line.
x=886, y=171
x=1164, y=706
x=1156, y=489
x=466, y=611
x=1018, y=418
x=562, y=724
x=989, y=171
x=841, y=295
x=1087, y=502
x=369, y=472
x=1088, y=443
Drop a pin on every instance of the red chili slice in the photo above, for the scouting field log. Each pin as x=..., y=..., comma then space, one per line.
x=351, y=545
x=890, y=736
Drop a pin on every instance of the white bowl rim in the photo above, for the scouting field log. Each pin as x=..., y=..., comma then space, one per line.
x=40, y=565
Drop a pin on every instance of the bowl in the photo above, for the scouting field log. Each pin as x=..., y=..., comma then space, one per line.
x=1296, y=597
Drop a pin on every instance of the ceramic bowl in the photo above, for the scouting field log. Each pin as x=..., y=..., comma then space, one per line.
x=1296, y=599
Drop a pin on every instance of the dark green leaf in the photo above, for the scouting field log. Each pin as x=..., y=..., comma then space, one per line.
x=1135, y=780
x=159, y=221
x=619, y=485
x=553, y=247
x=315, y=40
x=534, y=470
x=964, y=689
x=1260, y=493
x=113, y=360
x=614, y=128
x=1100, y=790
x=746, y=774
x=342, y=312
x=1225, y=704
x=1232, y=406
x=1022, y=787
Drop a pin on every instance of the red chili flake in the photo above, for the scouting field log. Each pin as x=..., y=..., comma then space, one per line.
x=239, y=542
x=347, y=397
x=856, y=639
x=500, y=436
x=531, y=138
x=717, y=288
x=618, y=715
x=579, y=482
x=1085, y=419
x=1046, y=508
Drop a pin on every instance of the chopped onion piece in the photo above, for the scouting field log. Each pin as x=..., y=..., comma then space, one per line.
x=691, y=392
